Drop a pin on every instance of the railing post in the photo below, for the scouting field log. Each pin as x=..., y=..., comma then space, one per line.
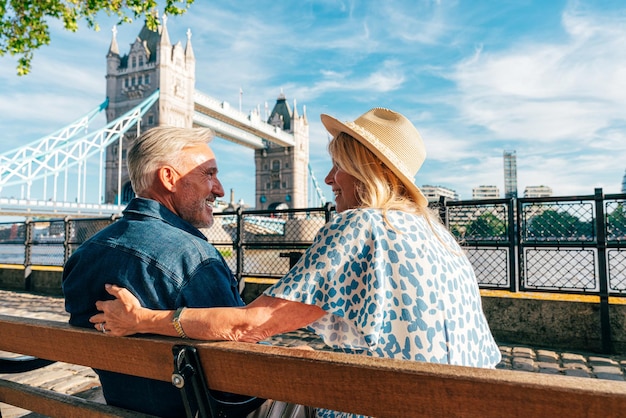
x=520, y=244
x=66, y=239
x=328, y=208
x=513, y=243
x=605, y=319
x=238, y=244
x=443, y=211
x=28, y=252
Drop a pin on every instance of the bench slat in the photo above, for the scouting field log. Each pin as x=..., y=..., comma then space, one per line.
x=393, y=388
x=370, y=386
x=54, y=404
x=62, y=342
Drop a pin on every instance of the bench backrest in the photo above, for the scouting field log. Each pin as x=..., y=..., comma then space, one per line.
x=359, y=384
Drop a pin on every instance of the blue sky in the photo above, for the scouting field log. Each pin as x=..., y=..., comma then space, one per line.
x=544, y=78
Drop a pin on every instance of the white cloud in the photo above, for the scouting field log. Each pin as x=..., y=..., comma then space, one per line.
x=549, y=91
x=554, y=93
x=422, y=22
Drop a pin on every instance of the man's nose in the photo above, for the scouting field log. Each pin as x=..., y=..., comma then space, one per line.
x=218, y=190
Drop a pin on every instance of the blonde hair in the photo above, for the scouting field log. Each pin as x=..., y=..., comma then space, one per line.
x=157, y=147
x=378, y=187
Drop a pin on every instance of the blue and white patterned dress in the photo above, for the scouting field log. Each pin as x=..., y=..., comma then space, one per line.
x=405, y=293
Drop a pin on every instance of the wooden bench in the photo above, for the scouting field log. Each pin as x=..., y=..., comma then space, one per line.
x=370, y=386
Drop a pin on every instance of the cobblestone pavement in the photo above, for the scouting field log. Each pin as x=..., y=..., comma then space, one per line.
x=82, y=381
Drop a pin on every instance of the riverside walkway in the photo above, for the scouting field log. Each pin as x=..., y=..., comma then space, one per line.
x=82, y=381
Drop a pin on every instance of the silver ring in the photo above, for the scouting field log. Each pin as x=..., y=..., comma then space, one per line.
x=102, y=328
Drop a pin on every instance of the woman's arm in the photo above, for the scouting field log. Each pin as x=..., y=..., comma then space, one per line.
x=264, y=317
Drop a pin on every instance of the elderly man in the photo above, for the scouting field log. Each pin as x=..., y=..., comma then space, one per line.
x=156, y=251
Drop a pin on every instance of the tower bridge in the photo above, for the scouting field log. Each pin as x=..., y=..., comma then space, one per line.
x=154, y=84
x=235, y=126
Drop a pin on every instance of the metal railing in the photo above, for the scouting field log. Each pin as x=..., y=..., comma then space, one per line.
x=573, y=244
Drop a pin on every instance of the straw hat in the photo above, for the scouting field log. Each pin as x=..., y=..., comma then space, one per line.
x=392, y=138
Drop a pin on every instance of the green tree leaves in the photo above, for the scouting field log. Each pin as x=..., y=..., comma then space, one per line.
x=24, y=24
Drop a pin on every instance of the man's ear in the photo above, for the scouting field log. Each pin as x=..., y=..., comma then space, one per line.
x=168, y=178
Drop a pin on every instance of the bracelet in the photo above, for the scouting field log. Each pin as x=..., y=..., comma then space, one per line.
x=176, y=322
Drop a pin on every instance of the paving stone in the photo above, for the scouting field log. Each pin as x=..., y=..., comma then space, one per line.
x=506, y=350
x=610, y=376
x=606, y=369
x=549, y=370
x=576, y=372
x=524, y=352
x=573, y=357
x=576, y=366
x=604, y=360
x=548, y=365
x=524, y=364
x=547, y=356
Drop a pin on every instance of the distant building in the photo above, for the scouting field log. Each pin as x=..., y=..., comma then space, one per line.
x=485, y=192
x=537, y=191
x=510, y=174
x=433, y=193
x=624, y=183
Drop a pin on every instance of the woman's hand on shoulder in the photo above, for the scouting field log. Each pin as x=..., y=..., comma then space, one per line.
x=121, y=316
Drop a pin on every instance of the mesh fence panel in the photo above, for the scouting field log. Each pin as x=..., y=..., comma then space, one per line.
x=47, y=255
x=47, y=247
x=83, y=229
x=486, y=222
x=12, y=233
x=615, y=212
x=229, y=255
x=617, y=269
x=558, y=222
x=12, y=239
x=491, y=266
x=80, y=230
x=560, y=268
x=273, y=242
x=223, y=231
x=265, y=262
x=282, y=229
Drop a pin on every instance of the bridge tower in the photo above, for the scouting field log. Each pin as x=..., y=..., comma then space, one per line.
x=282, y=172
x=152, y=63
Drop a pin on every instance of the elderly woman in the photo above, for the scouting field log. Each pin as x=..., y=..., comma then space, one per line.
x=384, y=278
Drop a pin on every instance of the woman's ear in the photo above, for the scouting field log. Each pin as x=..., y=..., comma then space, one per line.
x=168, y=178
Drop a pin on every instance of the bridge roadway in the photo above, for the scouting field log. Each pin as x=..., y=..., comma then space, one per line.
x=83, y=382
x=250, y=131
x=58, y=210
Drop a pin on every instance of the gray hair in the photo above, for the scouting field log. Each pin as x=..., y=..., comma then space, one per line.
x=157, y=147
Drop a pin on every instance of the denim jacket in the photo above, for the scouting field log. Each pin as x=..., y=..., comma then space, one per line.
x=166, y=263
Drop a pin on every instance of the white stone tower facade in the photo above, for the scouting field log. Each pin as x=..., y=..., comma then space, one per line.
x=282, y=172
x=152, y=63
